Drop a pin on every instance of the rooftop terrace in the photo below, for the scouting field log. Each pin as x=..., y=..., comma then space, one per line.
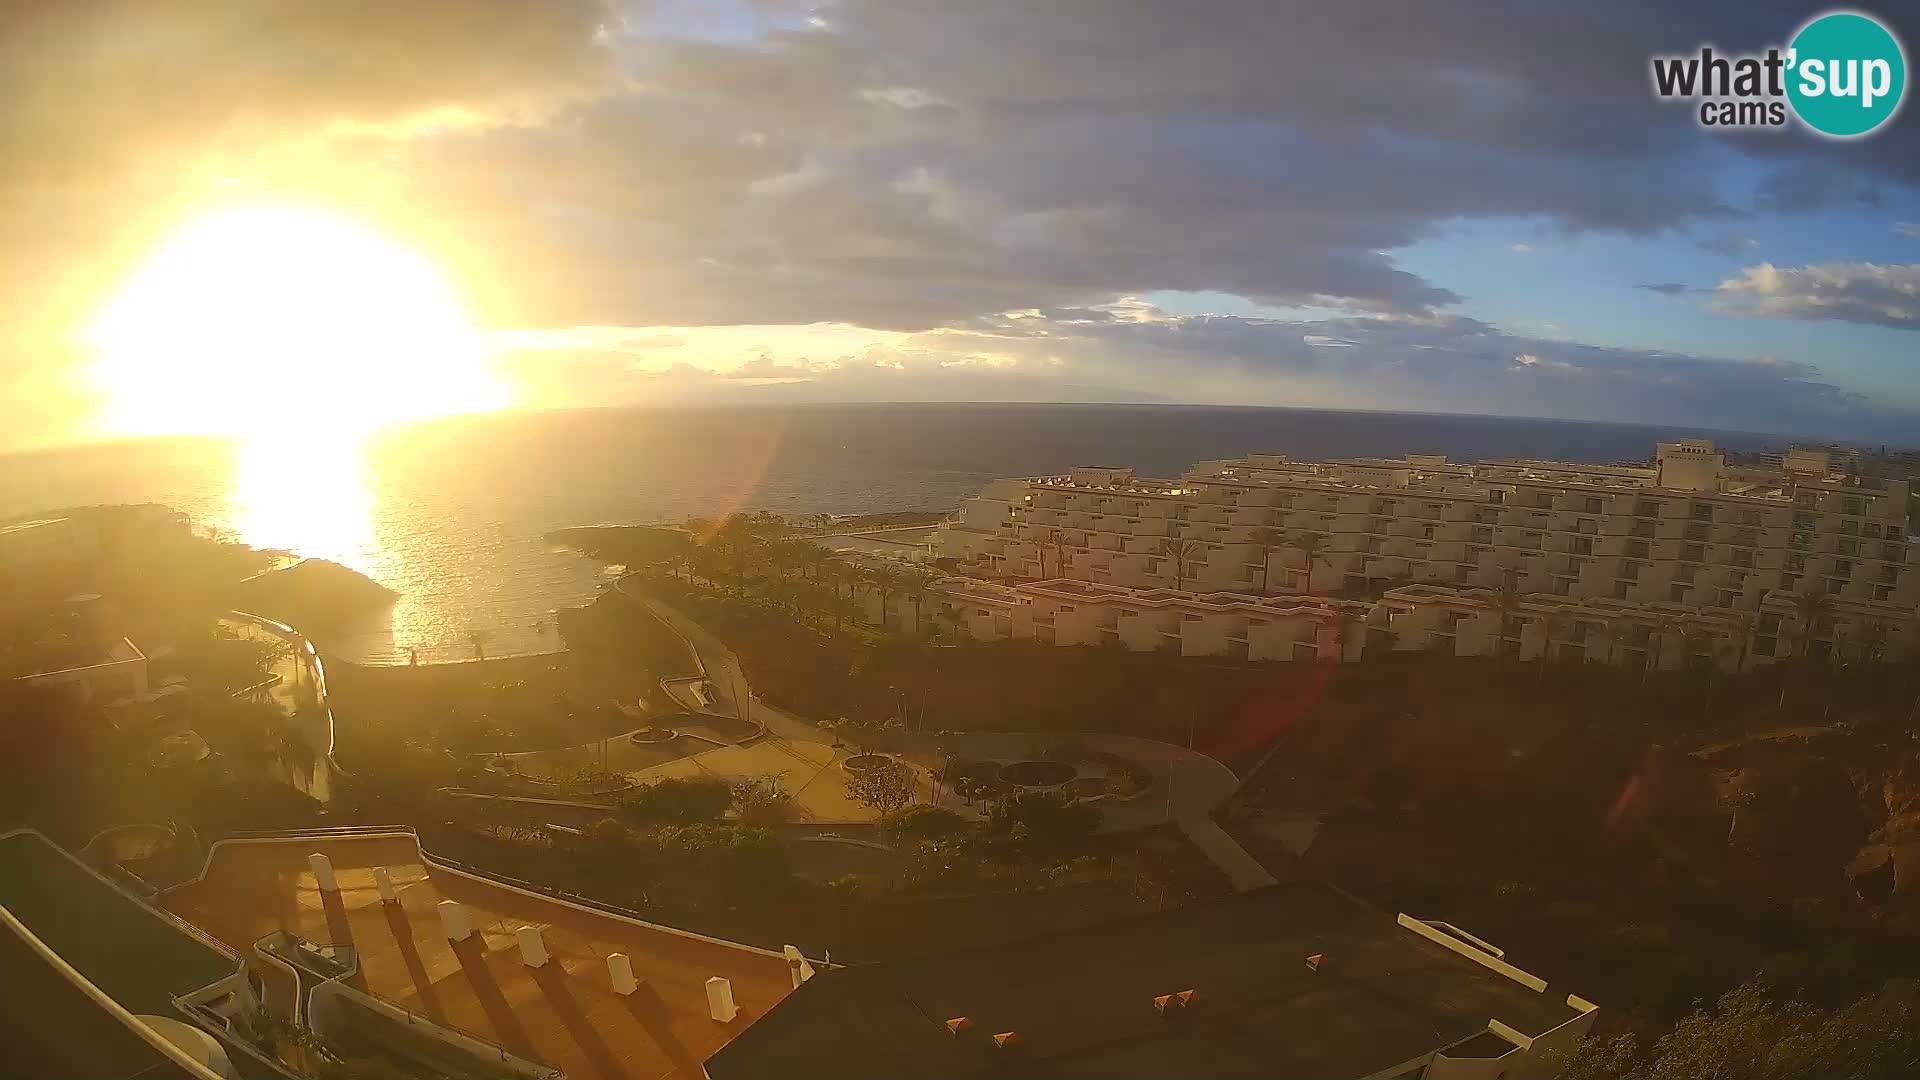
x=565, y=1013
x=1082, y=1003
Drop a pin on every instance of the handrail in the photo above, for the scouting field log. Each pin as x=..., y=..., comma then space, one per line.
x=114, y=1009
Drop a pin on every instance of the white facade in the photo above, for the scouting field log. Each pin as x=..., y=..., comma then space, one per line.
x=1687, y=531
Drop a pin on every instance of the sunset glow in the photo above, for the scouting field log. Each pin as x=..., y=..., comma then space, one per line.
x=274, y=319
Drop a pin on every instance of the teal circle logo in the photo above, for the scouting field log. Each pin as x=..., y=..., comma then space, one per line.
x=1847, y=74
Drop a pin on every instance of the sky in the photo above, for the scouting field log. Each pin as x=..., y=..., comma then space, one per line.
x=1378, y=204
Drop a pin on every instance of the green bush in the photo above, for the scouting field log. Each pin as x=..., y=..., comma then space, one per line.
x=1043, y=818
x=923, y=823
x=676, y=801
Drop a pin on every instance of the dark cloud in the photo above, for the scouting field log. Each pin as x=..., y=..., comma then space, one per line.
x=1666, y=288
x=902, y=164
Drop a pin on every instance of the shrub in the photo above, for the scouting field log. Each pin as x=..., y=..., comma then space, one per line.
x=675, y=801
x=923, y=823
x=1044, y=818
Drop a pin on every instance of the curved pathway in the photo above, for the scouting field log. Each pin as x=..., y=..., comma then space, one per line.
x=300, y=667
x=1189, y=786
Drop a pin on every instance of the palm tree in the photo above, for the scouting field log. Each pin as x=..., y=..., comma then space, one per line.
x=1309, y=544
x=1744, y=624
x=1663, y=625
x=1181, y=553
x=1266, y=539
x=1810, y=609
x=1507, y=603
x=1553, y=624
x=885, y=581
x=1051, y=538
x=914, y=589
x=1344, y=624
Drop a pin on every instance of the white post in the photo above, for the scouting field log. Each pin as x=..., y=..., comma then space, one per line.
x=323, y=872
x=620, y=970
x=454, y=917
x=720, y=1000
x=797, y=966
x=384, y=881
x=533, y=947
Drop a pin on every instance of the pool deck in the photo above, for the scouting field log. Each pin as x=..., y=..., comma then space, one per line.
x=564, y=1013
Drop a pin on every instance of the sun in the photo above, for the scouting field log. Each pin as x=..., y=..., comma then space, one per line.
x=274, y=319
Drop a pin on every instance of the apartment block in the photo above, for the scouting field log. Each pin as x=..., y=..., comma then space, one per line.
x=1687, y=530
x=1068, y=612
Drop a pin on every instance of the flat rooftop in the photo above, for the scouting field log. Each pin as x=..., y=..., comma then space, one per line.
x=136, y=955
x=565, y=1013
x=1082, y=1002
x=51, y=1028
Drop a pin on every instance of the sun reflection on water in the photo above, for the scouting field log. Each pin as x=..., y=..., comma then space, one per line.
x=309, y=496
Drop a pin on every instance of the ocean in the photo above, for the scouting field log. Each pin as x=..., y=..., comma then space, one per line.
x=452, y=513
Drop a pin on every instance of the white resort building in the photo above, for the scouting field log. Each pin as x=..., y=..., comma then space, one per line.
x=1686, y=560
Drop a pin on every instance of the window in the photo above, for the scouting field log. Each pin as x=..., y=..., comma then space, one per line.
x=1800, y=541
x=1582, y=545
x=1873, y=530
x=1789, y=582
x=1883, y=592
x=1530, y=539
x=1620, y=590
x=1677, y=593
x=1726, y=598
x=1543, y=500
x=1591, y=506
x=1850, y=547
x=1893, y=552
x=1750, y=517
x=1496, y=496
x=1646, y=508
x=1694, y=553
x=1587, y=526
x=1797, y=562
x=1745, y=537
x=1701, y=511
x=1834, y=585
x=1684, y=574
x=1696, y=531
x=1483, y=534
x=1643, y=528
x=1629, y=570
x=1853, y=506
x=1890, y=574
x=1842, y=568
x=1426, y=532
x=1742, y=557
x=1849, y=528
x=1639, y=549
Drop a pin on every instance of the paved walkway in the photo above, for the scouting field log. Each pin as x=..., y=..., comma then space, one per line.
x=1242, y=870
x=1190, y=785
x=301, y=692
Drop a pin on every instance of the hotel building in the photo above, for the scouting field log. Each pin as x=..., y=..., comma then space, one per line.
x=1687, y=537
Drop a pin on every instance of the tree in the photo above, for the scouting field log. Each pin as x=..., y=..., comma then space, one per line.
x=884, y=790
x=1051, y=538
x=1508, y=603
x=1181, y=553
x=924, y=823
x=1552, y=625
x=678, y=801
x=914, y=589
x=1266, y=539
x=1310, y=545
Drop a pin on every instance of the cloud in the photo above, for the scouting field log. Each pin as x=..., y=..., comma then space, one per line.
x=901, y=166
x=1133, y=351
x=1871, y=293
x=1665, y=288
x=1908, y=228
x=1727, y=243
x=1521, y=249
